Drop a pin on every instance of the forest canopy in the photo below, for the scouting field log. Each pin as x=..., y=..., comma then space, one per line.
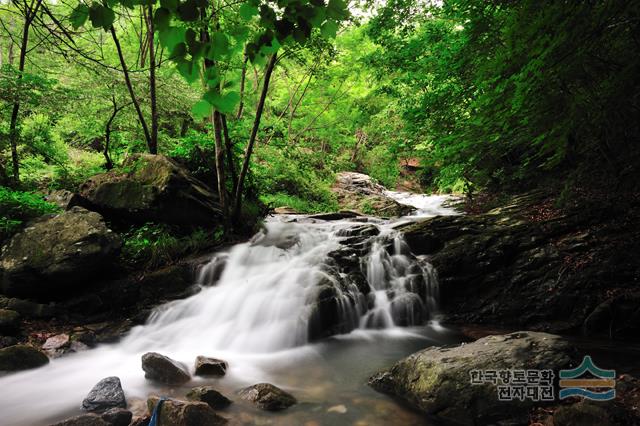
x=270, y=99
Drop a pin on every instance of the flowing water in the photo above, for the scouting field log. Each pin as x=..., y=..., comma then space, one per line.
x=254, y=310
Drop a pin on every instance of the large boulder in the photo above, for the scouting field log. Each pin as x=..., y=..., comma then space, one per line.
x=437, y=380
x=182, y=413
x=160, y=368
x=573, y=270
x=21, y=357
x=106, y=394
x=151, y=188
x=267, y=397
x=57, y=253
x=360, y=193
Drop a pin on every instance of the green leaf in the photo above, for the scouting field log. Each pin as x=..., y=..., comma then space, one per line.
x=190, y=70
x=329, y=29
x=202, y=109
x=248, y=11
x=79, y=16
x=169, y=4
x=171, y=37
x=219, y=46
x=100, y=16
x=337, y=9
x=162, y=18
x=226, y=103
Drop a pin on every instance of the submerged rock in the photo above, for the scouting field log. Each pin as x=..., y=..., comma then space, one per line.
x=21, y=357
x=54, y=254
x=268, y=397
x=152, y=188
x=209, y=395
x=107, y=393
x=437, y=380
x=163, y=369
x=210, y=366
x=183, y=413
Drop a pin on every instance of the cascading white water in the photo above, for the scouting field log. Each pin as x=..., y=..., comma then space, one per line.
x=261, y=305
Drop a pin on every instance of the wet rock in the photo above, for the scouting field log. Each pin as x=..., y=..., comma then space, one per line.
x=83, y=420
x=62, y=198
x=117, y=416
x=107, y=393
x=30, y=309
x=360, y=193
x=583, y=413
x=6, y=341
x=55, y=254
x=140, y=421
x=344, y=214
x=183, y=413
x=9, y=321
x=365, y=230
x=267, y=397
x=616, y=317
x=21, y=357
x=436, y=381
x=56, y=342
x=163, y=369
x=151, y=188
x=210, y=366
x=209, y=395
x=285, y=210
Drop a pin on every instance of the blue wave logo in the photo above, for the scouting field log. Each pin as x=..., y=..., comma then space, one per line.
x=603, y=381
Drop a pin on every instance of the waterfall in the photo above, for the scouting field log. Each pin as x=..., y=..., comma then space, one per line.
x=256, y=300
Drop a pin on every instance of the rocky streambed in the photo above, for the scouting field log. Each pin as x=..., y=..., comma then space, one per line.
x=270, y=307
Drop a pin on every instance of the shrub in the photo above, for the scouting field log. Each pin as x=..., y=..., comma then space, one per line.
x=152, y=245
x=17, y=207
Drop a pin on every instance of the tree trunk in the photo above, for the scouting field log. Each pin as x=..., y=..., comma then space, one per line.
x=153, y=146
x=29, y=14
x=132, y=94
x=243, y=79
x=252, y=138
x=229, y=151
x=222, y=190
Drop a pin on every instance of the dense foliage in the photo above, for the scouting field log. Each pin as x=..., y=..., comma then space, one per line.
x=452, y=96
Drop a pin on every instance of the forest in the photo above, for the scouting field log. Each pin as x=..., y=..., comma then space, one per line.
x=184, y=125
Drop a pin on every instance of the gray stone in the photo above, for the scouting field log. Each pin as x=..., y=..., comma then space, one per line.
x=209, y=395
x=106, y=394
x=163, y=369
x=437, y=380
x=83, y=420
x=267, y=397
x=117, y=416
x=183, y=413
x=210, y=366
x=52, y=255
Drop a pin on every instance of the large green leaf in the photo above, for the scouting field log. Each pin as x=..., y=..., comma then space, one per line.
x=202, y=109
x=248, y=11
x=79, y=15
x=100, y=16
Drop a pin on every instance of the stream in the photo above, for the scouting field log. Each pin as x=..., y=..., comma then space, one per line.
x=254, y=310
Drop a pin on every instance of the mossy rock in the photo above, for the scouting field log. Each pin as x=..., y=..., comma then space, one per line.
x=151, y=188
x=21, y=357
